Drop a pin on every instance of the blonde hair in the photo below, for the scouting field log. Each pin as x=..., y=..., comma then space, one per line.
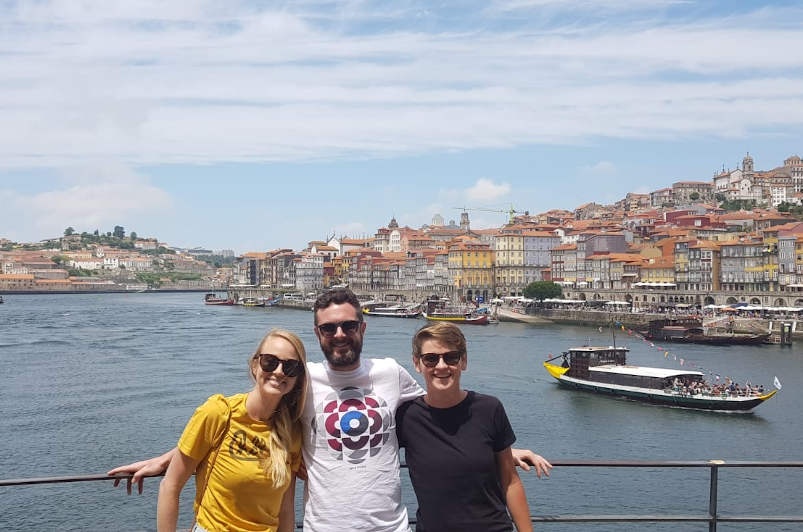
x=286, y=420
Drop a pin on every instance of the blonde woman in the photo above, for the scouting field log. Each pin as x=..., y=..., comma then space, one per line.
x=245, y=448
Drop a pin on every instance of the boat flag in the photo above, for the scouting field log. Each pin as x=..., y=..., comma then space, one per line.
x=776, y=382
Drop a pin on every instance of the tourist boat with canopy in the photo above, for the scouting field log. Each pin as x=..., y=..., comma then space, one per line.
x=604, y=370
x=394, y=311
x=441, y=309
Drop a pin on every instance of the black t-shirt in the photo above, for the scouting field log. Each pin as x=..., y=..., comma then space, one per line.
x=451, y=455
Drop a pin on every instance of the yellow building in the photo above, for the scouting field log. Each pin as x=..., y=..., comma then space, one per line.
x=471, y=268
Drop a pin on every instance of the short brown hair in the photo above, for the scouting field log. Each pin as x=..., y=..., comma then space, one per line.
x=440, y=331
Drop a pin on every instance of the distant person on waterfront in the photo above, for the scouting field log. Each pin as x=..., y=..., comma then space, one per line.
x=246, y=448
x=458, y=444
x=350, y=447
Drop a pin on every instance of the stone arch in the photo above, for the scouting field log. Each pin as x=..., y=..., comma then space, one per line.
x=708, y=300
x=779, y=302
x=582, y=296
x=755, y=301
x=731, y=301
x=628, y=298
x=597, y=297
x=799, y=302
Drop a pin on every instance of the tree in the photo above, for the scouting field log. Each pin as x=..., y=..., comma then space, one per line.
x=133, y=235
x=69, y=231
x=541, y=290
x=119, y=232
x=694, y=196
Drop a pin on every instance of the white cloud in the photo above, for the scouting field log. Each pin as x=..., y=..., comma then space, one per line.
x=85, y=203
x=192, y=82
x=488, y=191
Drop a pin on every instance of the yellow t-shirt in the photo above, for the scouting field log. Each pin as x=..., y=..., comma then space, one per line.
x=239, y=496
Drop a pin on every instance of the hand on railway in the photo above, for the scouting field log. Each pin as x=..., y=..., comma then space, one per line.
x=525, y=458
x=151, y=467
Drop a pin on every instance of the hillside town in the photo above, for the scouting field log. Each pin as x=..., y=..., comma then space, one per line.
x=734, y=239
x=113, y=262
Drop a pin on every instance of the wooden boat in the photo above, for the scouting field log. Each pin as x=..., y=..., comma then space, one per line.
x=457, y=316
x=251, y=302
x=212, y=299
x=394, y=311
x=440, y=309
x=604, y=370
x=691, y=330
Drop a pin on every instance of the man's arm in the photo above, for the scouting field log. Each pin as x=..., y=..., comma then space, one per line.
x=524, y=458
x=151, y=467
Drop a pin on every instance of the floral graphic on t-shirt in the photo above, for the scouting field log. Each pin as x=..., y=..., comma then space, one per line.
x=356, y=423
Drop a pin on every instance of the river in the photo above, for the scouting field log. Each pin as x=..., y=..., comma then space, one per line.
x=92, y=381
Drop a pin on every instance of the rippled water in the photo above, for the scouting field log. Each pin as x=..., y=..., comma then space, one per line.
x=92, y=381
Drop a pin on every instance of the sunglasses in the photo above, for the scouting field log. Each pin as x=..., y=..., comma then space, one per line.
x=430, y=360
x=290, y=367
x=330, y=329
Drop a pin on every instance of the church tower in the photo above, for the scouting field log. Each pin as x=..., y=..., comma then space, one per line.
x=747, y=165
x=464, y=221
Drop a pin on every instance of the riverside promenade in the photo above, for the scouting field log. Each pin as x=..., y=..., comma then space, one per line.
x=637, y=321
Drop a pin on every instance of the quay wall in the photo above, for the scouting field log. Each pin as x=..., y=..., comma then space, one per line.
x=110, y=290
x=637, y=321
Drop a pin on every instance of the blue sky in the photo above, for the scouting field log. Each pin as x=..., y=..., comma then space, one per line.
x=258, y=125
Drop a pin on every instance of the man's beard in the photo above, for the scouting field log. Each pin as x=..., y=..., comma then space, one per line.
x=338, y=357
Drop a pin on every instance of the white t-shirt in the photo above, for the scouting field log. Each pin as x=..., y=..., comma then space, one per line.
x=350, y=447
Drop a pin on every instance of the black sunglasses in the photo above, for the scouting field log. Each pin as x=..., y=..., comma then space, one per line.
x=290, y=367
x=330, y=329
x=430, y=360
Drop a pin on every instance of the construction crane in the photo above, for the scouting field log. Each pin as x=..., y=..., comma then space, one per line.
x=510, y=212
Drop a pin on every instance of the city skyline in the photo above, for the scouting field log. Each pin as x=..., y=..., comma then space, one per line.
x=261, y=126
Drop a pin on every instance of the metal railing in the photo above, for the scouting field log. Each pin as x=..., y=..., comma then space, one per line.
x=712, y=517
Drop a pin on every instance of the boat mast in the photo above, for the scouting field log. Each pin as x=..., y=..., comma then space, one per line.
x=613, y=333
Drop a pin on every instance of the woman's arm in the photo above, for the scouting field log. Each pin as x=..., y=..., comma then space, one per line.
x=144, y=468
x=287, y=512
x=181, y=469
x=513, y=490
